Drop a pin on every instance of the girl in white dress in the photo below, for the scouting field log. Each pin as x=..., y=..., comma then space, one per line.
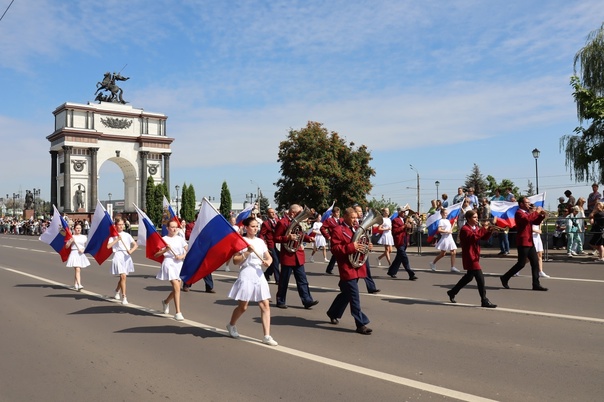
x=320, y=241
x=251, y=285
x=386, y=239
x=123, y=245
x=446, y=242
x=174, y=255
x=77, y=259
x=539, y=247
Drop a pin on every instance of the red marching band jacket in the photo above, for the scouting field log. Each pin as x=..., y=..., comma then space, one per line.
x=285, y=257
x=341, y=247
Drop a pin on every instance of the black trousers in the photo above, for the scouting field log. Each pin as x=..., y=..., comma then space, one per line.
x=523, y=254
x=467, y=278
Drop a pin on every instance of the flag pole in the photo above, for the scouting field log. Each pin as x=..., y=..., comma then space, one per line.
x=212, y=206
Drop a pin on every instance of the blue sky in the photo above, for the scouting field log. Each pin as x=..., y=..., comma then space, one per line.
x=440, y=85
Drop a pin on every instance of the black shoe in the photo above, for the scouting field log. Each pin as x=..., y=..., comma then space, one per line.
x=267, y=277
x=364, y=330
x=451, y=296
x=334, y=321
x=392, y=276
x=210, y=291
x=413, y=278
x=504, y=282
x=541, y=288
x=501, y=253
x=329, y=272
x=312, y=303
x=374, y=291
x=487, y=303
x=283, y=306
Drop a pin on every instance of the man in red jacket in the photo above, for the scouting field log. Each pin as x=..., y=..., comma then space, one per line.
x=267, y=233
x=400, y=232
x=341, y=247
x=524, y=242
x=470, y=237
x=292, y=262
x=326, y=229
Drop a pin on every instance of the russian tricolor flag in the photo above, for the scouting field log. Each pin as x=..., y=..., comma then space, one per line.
x=433, y=220
x=101, y=229
x=148, y=237
x=505, y=211
x=167, y=217
x=57, y=234
x=243, y=215
x=213, y=242
x=327, y=213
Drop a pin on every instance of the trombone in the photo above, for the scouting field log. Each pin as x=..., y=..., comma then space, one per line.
x=491, y=225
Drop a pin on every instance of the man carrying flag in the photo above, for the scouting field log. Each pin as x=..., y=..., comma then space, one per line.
x=57, y=235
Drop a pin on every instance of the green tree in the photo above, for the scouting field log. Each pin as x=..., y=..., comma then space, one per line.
x=530, y=189
x=263, y=203
x=584, y=150
x=191, y=204
x=383, y=203
x=476, y=179
x=151, y=207
x=492, y=185
x=317, y=166
x=160, y=191
x=226, y=205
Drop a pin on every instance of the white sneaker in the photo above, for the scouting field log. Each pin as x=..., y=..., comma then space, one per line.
x=79, y=287
x=312, y=259
x=517, y=274
x=125, y=301
x=179, y=317
x=117, y=296
x=232, y=331
x=582, y=253
x=543, y=275
x=227, y=269
x=433, y=266
x=268, y=340
x=453, y=269
x=569, y=254
x=326, y=260
x=165, y=306
x=573, y=253
x=379, y=263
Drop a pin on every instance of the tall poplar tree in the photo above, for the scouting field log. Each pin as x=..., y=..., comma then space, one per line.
x=226, y=205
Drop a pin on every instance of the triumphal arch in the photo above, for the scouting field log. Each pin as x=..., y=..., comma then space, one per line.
x=87, y=135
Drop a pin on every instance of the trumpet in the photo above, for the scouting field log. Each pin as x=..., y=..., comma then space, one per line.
x=492, y=226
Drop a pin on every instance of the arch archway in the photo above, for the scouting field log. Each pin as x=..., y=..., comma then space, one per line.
x=87, y=136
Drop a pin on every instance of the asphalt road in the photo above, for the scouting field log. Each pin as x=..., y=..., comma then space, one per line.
x=62, y=345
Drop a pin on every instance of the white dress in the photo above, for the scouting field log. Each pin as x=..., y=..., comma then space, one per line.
x=251, y=285
x=122, y=261
x=446, y=242
x=170, y=268
x=386, y=237
x=319, y=238
x=75, y=258
x=537, y=239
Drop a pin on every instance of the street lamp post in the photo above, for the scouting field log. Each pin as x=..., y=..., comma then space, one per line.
x=177, y=187
x=536, y=156
x=437, y=183
x=415, y=170
x=15, y=197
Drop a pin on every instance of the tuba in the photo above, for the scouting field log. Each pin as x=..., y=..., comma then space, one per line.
x=363, y=236
x=295, y=228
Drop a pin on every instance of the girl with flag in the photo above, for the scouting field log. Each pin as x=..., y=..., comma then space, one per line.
x=77, y=259
x=446, y=242
x=123, y=245
x=251, y=285
x=174, y=254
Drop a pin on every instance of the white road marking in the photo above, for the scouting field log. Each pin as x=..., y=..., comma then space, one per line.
x=294, y=352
